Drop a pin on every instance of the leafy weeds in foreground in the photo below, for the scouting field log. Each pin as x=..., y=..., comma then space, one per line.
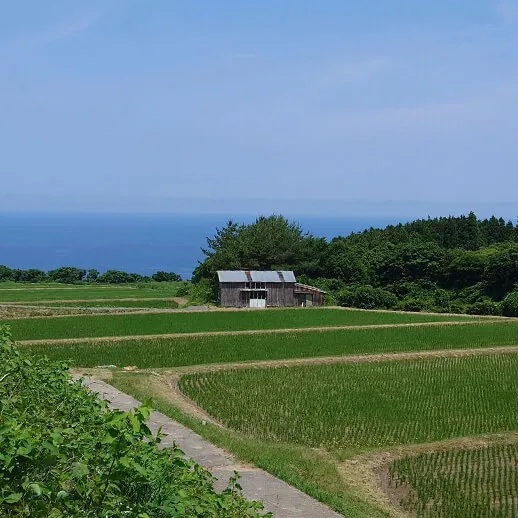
x=64, y=454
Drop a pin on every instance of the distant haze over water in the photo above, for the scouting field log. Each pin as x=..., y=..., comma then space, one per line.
x=138, y=243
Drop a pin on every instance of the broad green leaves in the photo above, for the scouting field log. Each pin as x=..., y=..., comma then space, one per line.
x=64, y=454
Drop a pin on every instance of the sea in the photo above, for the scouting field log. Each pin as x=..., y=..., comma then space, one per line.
x=136, y=243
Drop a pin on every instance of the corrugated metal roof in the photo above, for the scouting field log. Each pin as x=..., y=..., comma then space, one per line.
x=255, y=276
x=307, y=286
x=288, y=276
x=232, y=276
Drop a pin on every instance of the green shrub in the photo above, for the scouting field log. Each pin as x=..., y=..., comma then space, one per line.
x=457, y=308
x=183, y=289
x=472, y=294
x=485, y=307
x=366, y=297
x=166, y=277
x=411, y=304
x=202, y=292
x=64, y=454
x=510, y=305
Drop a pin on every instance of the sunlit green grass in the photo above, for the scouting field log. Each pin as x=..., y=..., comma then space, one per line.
x=147, y=353
x=365, y=405
x=160, y=323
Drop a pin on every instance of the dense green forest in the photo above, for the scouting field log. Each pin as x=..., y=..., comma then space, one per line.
x=448, y=264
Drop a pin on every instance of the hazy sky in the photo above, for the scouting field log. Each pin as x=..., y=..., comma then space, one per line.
x=132, y=104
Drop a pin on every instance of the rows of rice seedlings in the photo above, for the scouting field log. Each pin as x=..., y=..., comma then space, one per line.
x=167, y=352
x=165, y=303
x=43, y=292
x=367, y=405
x=125, y=325
x=481, y=482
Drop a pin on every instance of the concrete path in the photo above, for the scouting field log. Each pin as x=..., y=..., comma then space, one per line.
x=279, y=498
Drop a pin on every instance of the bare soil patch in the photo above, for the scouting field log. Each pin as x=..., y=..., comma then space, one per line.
x=16, y=312
x=73, y=301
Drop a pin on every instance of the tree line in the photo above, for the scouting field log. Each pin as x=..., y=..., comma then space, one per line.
x=73, y=275
x=448, y=264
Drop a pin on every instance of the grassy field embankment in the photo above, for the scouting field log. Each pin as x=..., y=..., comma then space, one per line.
x=85, y=326
x=175, y=352
x=158, y=303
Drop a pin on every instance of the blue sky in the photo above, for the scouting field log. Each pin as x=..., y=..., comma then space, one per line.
x=202, y=105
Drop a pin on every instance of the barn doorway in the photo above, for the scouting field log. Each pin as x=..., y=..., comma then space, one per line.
x=305, y=300
x=258, y=299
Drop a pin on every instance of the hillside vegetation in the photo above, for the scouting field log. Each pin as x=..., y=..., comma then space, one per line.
x=452, y=264
x=63, y=453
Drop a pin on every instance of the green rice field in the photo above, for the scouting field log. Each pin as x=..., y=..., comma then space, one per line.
x=301, y=421
x=481, y=482
x=11, y=293
x=369, y=405
x=147, y=353
x=189, y=322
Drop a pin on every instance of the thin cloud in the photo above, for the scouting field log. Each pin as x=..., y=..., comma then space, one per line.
x=238, y=57
x=507, y=9
x=425, y=117
x=89, y=19
x=353, y=71
x=70, y=30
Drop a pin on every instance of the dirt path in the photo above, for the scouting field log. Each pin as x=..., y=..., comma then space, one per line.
x=244, y=332
x=76, y=287
x=92, y=311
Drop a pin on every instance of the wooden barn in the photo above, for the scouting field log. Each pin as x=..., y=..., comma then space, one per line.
x=260, y=289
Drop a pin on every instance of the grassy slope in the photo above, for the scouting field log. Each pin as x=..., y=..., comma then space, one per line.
x=126, y=325
x=222, y=349
x=364, y=406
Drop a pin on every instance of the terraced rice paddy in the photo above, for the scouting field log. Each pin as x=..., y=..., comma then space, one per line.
x=479, y=482
x=305, y=423
x=366, y=405
x=15, y=293
x=159, y=323
x=181, y=351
